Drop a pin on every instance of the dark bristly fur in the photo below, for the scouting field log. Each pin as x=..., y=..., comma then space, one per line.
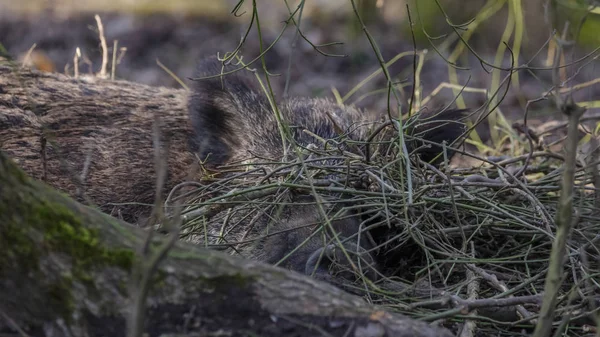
x=234, y=121
x=436, y=127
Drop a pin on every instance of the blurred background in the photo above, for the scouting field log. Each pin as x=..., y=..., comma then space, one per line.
x=46, y=34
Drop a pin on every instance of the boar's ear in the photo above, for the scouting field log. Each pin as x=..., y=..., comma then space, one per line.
x=218, y=107
x=437, y=127
x=330, y=262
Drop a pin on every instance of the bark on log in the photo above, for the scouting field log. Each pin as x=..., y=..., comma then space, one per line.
x=92, y=138
x=65, y=267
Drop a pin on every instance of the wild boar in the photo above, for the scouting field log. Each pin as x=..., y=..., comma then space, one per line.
x=234, y=122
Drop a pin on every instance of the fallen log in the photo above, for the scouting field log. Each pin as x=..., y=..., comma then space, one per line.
x=65, y=270
x=93, y=138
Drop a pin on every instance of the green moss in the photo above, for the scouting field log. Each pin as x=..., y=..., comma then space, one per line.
x=65, y=233
x=36, y=221
x=60, y=297
x=21, y=255
x=12, y=171
x=237, y=281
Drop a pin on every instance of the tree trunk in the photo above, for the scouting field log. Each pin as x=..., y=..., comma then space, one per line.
x=93, y=138
x=65, y=270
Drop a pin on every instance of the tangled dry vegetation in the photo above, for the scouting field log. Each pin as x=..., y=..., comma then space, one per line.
x=436, y=231
x=455, y=244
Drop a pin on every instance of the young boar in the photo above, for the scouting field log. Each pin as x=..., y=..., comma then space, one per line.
x=234, y=122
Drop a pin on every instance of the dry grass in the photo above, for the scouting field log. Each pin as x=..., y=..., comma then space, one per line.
x=436, y=230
